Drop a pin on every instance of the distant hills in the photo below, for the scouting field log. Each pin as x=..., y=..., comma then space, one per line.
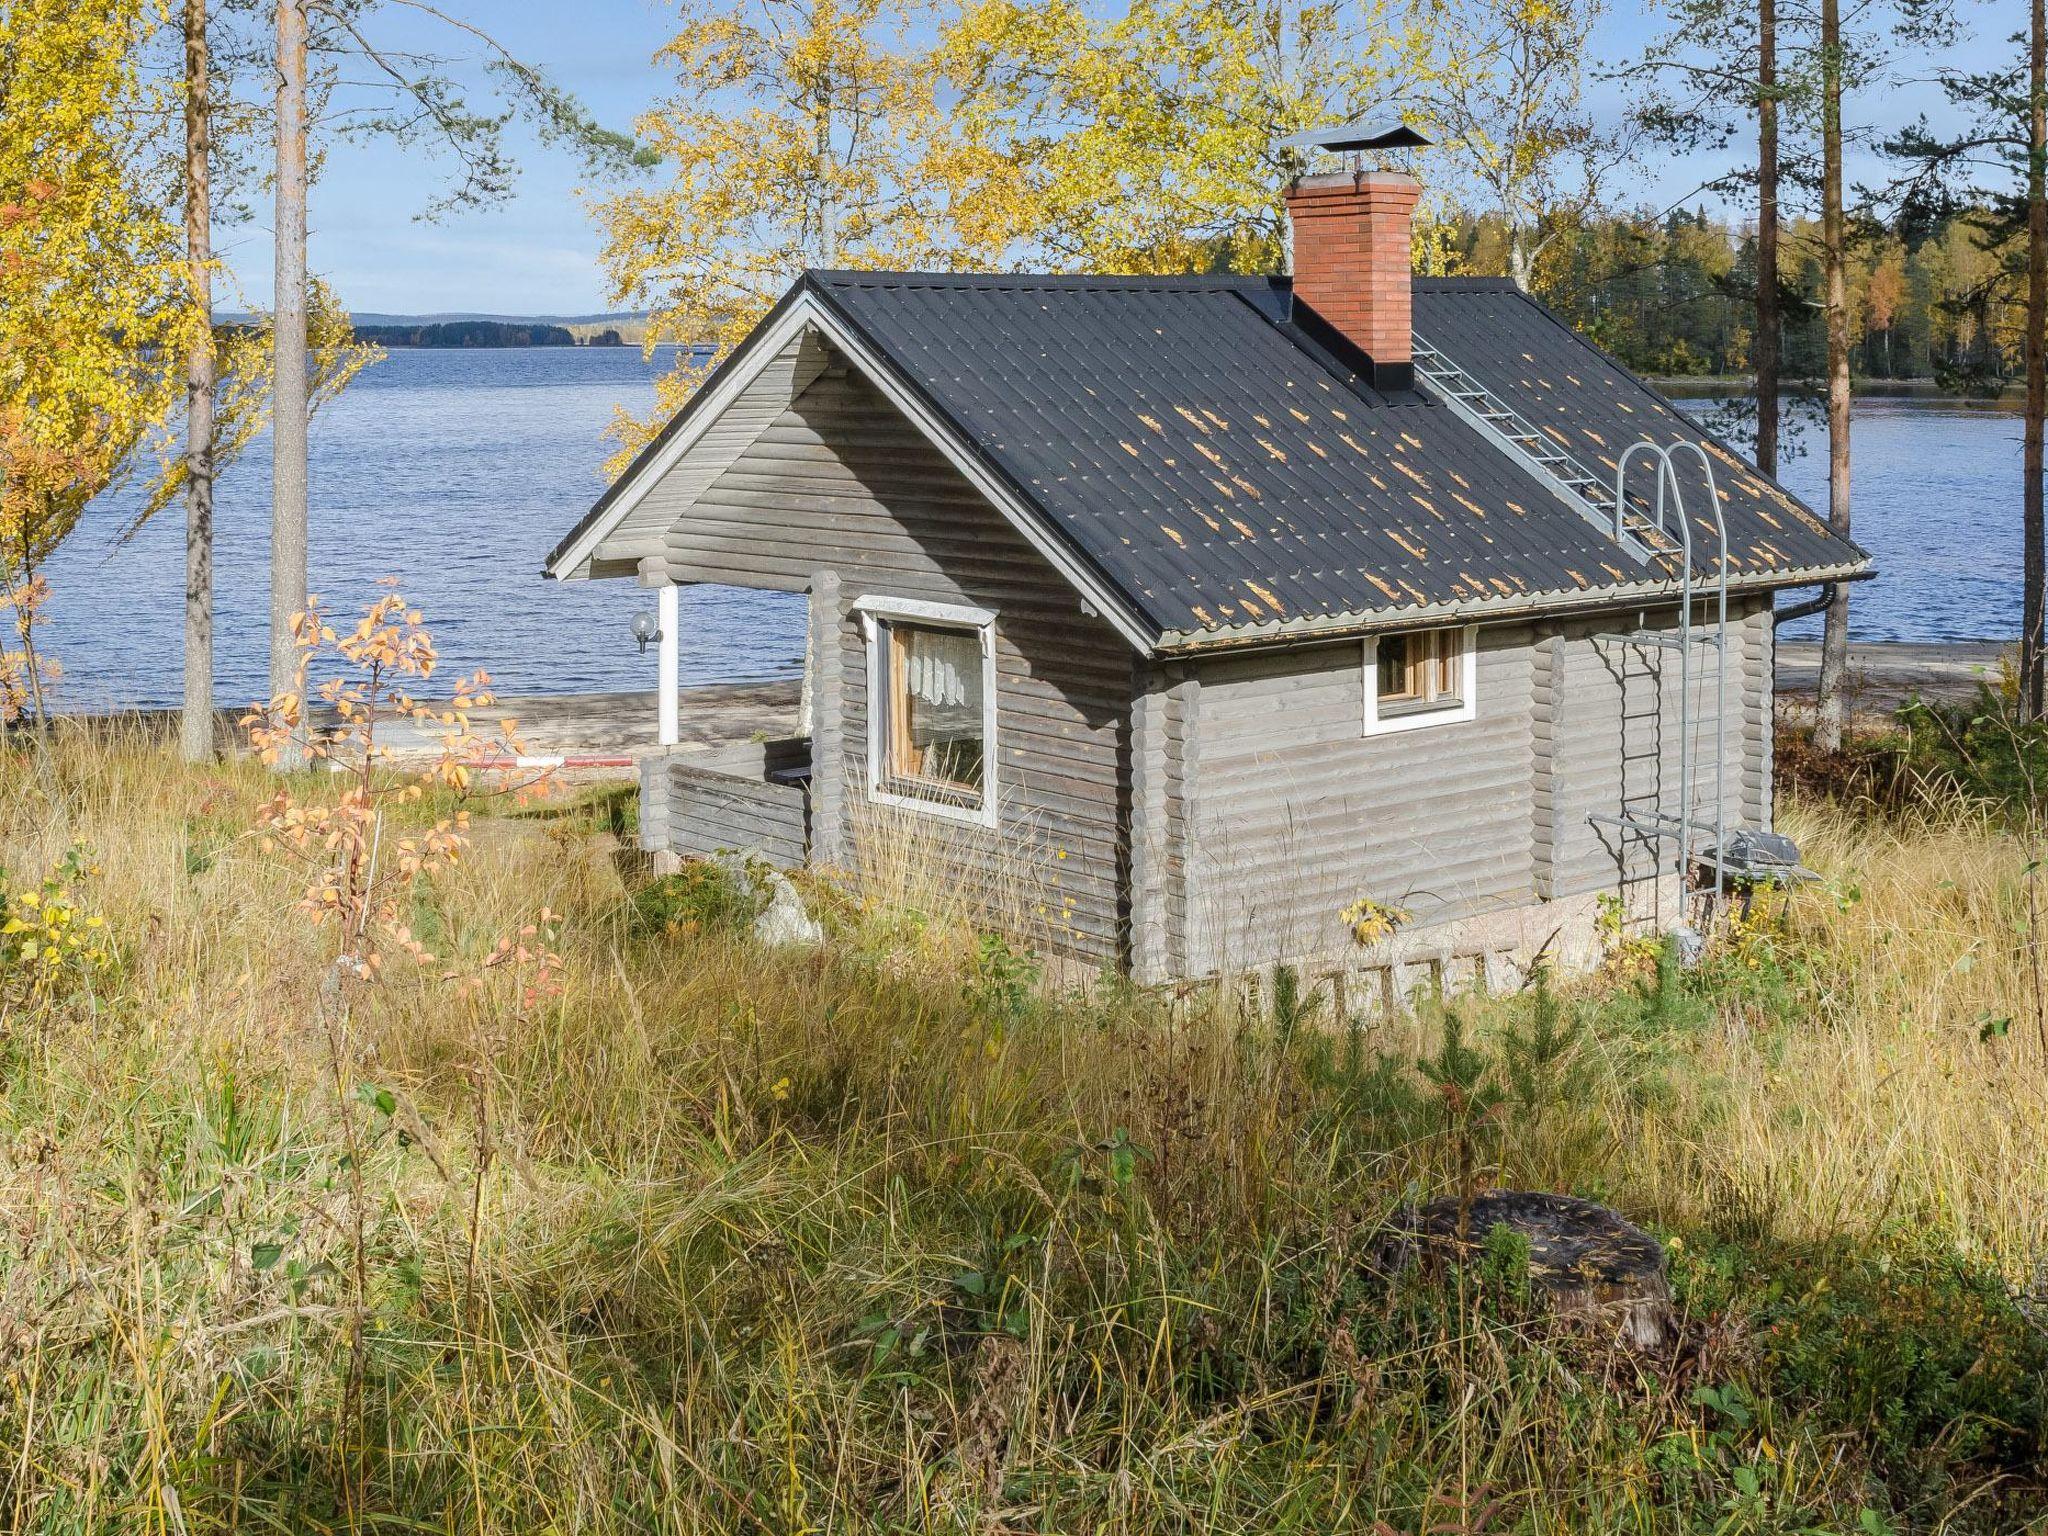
x=469, y=329
x=484, y=333
x=483, y=330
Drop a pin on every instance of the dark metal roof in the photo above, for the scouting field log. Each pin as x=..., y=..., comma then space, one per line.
x=1594, y=408
x=1216, y=454
x=1216, y=463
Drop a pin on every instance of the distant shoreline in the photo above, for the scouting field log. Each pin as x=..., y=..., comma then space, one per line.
x=1700, y=386
x=469, y=335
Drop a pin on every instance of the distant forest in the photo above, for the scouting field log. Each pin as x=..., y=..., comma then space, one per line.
x=483, y=333
x=1673, y=296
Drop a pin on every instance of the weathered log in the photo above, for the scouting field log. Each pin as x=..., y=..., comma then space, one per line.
x=1587, y=1264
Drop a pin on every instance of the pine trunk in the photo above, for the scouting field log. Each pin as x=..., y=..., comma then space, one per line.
x=289, y=390
x=2036, y=363
x=1831, y=711
x=195, y=736
x=1766, y=347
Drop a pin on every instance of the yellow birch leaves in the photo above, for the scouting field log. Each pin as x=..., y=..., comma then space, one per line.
x=95, y=303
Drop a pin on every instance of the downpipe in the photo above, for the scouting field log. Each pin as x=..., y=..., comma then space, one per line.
x=1807, y=609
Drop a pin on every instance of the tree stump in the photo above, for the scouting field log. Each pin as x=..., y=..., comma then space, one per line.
x=1587, y=1264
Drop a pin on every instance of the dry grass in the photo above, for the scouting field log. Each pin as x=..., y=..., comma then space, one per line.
x=875, y=1239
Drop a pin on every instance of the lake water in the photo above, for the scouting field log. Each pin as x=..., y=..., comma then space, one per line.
x=457, y=471
x=1935, y=493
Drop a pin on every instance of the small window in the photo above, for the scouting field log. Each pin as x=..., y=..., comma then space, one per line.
x=1422, y=677
x=932, y=718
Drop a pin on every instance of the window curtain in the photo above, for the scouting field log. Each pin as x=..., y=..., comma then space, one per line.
x=943, y=670
x=933, y=715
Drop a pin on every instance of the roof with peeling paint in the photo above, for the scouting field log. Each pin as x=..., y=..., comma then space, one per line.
x=1230, y=470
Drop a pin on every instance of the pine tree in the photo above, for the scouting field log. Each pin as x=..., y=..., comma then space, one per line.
x=1992, y=180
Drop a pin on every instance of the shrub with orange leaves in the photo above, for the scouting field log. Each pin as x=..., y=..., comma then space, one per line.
x=362, y=862
x=25, y=675
x=358, y=864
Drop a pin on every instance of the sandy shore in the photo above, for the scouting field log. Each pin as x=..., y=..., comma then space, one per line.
x=580, y=724
x=716, y=715
x=1884, y=674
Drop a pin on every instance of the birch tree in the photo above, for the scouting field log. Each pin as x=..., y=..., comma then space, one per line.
x=195, y=733
x=802, y=133
x=418, y=99
x=227, y=368
x=95, y=303
x=1148, y=141
x=291, y=396
x=1508, y=100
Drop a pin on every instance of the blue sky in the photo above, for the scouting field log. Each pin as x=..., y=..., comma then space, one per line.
x=537, y=253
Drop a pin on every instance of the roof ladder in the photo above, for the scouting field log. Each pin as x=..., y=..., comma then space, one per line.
x=1508, y=429
x=1684, y=824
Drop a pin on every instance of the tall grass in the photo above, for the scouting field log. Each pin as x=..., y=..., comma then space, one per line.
x=853, y=1239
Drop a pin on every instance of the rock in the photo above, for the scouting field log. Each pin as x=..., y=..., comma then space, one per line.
x=1592, y=1267
x=784, y=920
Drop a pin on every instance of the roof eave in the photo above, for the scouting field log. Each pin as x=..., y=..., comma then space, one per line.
x=1557, y=604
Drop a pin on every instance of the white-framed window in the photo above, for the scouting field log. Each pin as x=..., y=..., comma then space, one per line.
x=931, y=706
x=1420, y=677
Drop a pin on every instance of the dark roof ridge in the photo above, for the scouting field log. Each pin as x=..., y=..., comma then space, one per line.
x=1469, y=284
x=1192, y=281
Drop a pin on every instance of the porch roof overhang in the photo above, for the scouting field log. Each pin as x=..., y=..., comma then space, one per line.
x=601, y=544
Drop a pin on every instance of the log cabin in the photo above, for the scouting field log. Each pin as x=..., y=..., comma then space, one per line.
x=1351, y=619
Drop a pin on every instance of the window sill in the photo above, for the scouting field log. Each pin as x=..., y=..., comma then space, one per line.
x=946, y=810
x=1404, y=709
x=1416, y=716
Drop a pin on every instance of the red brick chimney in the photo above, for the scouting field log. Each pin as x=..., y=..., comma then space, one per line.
x=1352, y=265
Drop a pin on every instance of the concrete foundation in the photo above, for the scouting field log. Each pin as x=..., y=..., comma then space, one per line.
x=1495, y=951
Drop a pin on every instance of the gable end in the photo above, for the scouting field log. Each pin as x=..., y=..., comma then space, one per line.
x=798, y=333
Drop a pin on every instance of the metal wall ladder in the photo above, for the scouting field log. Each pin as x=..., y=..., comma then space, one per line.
x=1521, y=438
x=1663, y=532
x=1683, y=827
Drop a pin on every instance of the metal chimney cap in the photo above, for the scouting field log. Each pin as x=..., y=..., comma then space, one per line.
x=1363, y=133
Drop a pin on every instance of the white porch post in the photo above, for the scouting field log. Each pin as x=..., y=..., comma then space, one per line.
x=669, y=613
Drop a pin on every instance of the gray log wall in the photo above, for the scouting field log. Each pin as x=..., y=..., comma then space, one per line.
x=1297, y=813
x=1284, y=812
x=730, y=800
x=1189, y=816
x=840, y=496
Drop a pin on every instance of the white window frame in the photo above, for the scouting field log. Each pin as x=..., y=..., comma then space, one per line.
x=875, y=611
x=1413, y=719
